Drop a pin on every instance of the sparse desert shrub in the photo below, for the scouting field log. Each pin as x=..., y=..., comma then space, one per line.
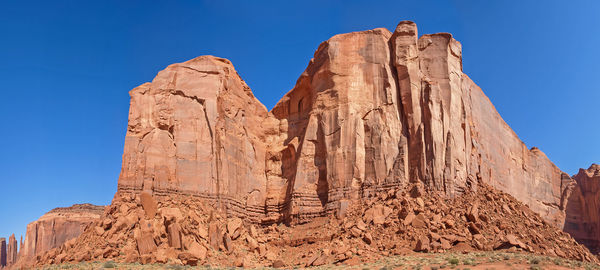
x=469, y=262
x=109, y=264
x=557, y=261
x=453, y=261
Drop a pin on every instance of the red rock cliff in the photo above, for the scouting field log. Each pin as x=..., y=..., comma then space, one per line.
x=373, y=110
x=56, y=227
x=376, y=109
x=197, y=129
x=583, y=218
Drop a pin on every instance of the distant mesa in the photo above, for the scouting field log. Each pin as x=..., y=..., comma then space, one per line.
x=52, y=230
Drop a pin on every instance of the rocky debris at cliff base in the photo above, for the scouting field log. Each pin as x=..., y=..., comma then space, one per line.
x=188, y=231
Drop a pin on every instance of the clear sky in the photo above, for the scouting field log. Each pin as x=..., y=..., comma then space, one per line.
x=66, y=68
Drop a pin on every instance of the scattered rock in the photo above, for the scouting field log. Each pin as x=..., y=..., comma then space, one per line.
x=148, y=204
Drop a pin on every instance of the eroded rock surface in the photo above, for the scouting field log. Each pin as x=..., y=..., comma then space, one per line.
x=56, y=227
x=379, y=121
x=11, y=250
x=373, y=110
x=197, y=129
x=583, y=216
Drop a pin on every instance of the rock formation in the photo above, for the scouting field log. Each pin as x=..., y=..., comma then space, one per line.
x=3, y=252
x=197, y=129
x=56, y=227
x=21, y=244
x=376, y=118
x=373, y=110
x=11, y=257
x=583, y=216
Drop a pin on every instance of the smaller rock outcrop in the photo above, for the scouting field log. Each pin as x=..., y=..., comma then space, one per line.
x=11, y=257
x=2, y=252
x=58, y=226
x=583, y=219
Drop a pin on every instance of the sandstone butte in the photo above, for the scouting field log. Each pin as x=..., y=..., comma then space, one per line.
x=374, y=113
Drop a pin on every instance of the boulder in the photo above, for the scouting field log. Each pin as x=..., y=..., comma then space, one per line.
x=148, y=204
x=174, y=235
x=145, y=243
x=197, y=251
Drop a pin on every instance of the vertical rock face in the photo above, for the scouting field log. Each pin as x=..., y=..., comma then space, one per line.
x=197, y=129
x=11, y=257
x=56, y=227
x=583, y=218
x=455, y=135
x=2, y=252
x=344, y=125
x=373, y=110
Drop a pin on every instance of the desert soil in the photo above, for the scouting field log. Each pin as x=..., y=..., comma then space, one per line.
x=421, y=261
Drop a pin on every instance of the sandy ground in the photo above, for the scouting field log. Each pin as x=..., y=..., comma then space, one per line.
x=422, y=261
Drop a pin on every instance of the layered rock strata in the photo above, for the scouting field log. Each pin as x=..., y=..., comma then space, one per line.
x=583, y=218
x=373, y=110
x=56, y=227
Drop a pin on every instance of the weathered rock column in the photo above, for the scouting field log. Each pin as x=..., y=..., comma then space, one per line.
x=2, y=252
x=11, y=257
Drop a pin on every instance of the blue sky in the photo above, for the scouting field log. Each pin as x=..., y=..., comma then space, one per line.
x=66, y=68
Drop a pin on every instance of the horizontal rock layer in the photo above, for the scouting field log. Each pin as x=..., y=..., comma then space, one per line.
x=56, y=227
x=373, y=110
